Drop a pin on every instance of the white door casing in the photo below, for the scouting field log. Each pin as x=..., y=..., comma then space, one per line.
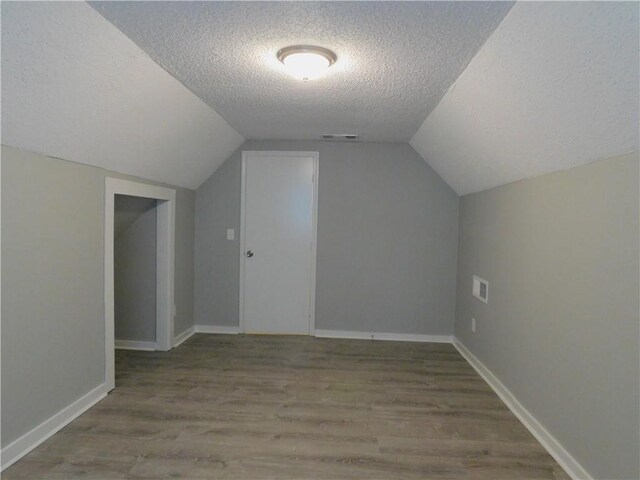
x=278, y=226
x=165, y=264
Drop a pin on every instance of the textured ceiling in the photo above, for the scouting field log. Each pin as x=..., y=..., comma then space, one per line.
x=395, y=59
x=75, y=87
x=555, y=86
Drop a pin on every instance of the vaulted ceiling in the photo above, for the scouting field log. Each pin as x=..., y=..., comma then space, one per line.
x=75, y=87
x=486, y=92
x=395, y=60
x=555, y=86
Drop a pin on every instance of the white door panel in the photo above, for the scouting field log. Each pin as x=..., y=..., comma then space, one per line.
x=279, y=232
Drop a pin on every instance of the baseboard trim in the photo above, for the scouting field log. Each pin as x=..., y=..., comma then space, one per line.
x=216, y=329
x=183, y=337
x=548, y=441
x=30, y=440
x=135, y=345
x=397, y=337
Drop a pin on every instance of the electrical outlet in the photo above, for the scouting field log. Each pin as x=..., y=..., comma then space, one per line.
x=473, y=325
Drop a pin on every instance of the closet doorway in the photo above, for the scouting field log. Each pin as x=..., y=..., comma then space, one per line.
x=165, y=258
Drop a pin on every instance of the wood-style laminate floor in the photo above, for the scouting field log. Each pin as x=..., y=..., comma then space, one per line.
x=276, y=407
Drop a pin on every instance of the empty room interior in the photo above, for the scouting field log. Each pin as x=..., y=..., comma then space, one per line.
x=320, y=240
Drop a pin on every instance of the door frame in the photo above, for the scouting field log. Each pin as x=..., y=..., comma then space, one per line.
x=165, y=265
x=314, y=228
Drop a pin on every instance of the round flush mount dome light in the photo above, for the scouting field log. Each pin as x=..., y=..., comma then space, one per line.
x=306, y=62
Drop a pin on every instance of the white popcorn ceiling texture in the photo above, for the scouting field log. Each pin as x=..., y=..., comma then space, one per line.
x=74, y=87
x=395, y=59
x=556, y=86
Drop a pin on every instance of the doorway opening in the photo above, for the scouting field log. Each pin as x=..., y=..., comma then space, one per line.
x=134, y=272
x=162, y=200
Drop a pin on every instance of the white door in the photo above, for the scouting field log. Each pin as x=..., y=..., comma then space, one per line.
x=279, y=241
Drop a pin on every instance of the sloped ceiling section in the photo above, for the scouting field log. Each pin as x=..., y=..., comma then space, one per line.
x=555, y=86
x=74, y=87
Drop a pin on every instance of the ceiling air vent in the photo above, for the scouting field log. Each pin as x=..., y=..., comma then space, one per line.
x=340, y=137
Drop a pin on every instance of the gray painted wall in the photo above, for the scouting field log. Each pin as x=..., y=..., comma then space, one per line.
x=127, y=210
x=52, y=284
x=387, y=240
x=135, y=268
x=561, y=327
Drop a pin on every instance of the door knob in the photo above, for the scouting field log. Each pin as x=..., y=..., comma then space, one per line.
x=249, y=253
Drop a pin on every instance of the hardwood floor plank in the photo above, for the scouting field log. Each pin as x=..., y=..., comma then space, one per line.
x=292, y=407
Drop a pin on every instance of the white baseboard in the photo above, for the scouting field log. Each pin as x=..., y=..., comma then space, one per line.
x=30, y=440
x=135, y=345
x=397, y=337
x=548, y=441
x=184, y=336
x=216, y=329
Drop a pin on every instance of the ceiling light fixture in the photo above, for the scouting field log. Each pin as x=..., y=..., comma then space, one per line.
x=306, y=62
